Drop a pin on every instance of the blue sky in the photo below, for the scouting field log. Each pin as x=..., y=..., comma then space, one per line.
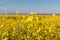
x=26, y=6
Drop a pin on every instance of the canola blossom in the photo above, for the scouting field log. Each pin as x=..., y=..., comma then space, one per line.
x=29, y=26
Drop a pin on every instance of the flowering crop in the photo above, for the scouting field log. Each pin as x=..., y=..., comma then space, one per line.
x=29, y=27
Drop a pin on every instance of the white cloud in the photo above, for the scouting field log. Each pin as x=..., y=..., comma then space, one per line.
x=5, y=9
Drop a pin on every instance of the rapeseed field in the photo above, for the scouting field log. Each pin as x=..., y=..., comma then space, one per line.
x=29, y=26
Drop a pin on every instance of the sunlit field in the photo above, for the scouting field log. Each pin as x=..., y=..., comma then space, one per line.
x=31, y=26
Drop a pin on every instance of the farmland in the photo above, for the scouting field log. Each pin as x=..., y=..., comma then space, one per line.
x=29, y=27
